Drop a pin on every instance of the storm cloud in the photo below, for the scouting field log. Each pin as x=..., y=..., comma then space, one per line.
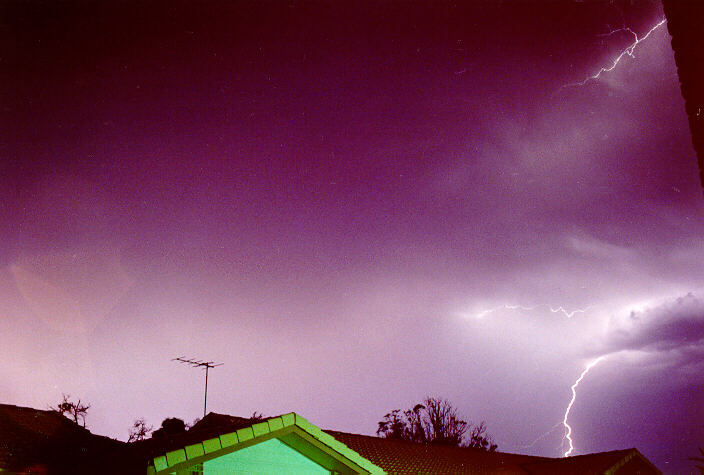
x=674, y=326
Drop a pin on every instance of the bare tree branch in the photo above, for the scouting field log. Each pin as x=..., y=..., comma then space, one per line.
x=140, y=430
x=73, y=410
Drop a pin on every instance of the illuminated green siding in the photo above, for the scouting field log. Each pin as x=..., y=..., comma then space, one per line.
x=268, y=457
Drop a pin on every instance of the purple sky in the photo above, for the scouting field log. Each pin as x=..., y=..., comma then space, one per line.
x=328, y=197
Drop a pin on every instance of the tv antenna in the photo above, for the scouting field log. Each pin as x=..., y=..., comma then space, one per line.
x=200, y=364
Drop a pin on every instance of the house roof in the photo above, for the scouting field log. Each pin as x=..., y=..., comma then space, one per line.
x=630, y=460
x=37, y=438
x=404, y=457
x=291, y=429
x=684, y=24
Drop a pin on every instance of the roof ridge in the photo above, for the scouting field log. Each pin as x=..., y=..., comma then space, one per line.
x=51, y=411
x=608, y=452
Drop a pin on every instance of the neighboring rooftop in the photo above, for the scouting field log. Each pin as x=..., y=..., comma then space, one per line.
x=616, y=461
x=212, y=425
x=33, y=438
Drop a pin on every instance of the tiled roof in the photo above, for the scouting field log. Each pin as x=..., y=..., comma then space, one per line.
x=403, y=457
x=616, y=461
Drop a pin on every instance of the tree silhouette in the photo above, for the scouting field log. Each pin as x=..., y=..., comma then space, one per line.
x=257, y=416
x=479, y=439
x=73, y=410
x=170, y=426
x=435, y=421
x=139, y=430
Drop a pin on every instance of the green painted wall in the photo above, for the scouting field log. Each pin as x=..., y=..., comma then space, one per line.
x=272, y=456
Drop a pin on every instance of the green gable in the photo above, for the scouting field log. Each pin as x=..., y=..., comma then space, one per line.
x=271, y=456
x=284, y=444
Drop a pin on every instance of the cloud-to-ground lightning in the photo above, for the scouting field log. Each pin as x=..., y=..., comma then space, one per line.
x=560, y=309
x=568, y=428
x=628, y=51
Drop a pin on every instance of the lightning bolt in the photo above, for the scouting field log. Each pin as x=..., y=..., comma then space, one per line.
x=559, y=309
x=568, y=314
x=568, y=429
x=626, y=52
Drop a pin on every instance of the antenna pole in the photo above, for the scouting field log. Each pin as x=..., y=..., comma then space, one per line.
x=205, y=402
x=200, y=364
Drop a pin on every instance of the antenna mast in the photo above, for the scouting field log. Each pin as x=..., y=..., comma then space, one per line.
x=200, y=364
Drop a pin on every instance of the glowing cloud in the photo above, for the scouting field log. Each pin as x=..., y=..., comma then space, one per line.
x=71, y=292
